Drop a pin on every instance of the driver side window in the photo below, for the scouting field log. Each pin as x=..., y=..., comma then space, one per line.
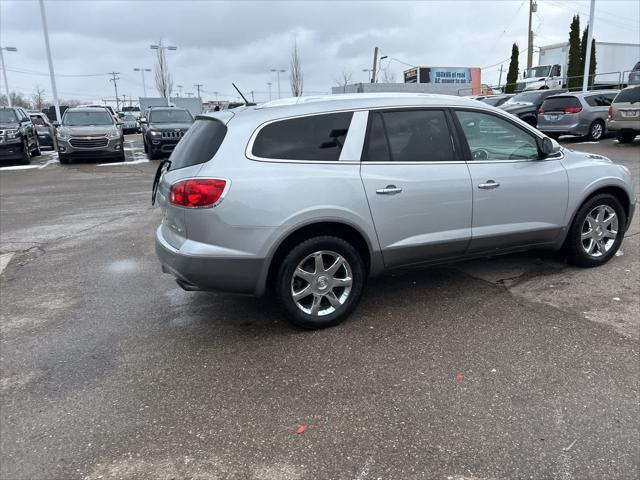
x=492, y=138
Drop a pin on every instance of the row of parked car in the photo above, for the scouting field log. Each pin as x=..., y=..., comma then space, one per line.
x=561, y=112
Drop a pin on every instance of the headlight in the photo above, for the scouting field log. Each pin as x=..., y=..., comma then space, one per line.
x=155, y=133
x=114, y=133
x=13, y=133
x=62, y=135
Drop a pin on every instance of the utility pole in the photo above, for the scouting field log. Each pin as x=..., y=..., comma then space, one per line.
x=198, y=86
x=114, y=78
x=54, y=90
x=500, y=77
x=4, y=72
x=587, y=60
x=533, y=7
x=252, y=99
x=375, y=63
x=269, y=84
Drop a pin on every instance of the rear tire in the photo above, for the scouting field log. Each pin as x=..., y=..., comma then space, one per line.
x=625, y=137
x=331, y=293
x=596, y=130
x=593, y=238
x=36, y=151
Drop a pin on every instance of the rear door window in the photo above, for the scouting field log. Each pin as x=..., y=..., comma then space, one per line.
x=629, y=95
x=315, y=138
x=558, y=104
x=37, y=120
x=599, y=100
x=409, y=136
x=200, y=143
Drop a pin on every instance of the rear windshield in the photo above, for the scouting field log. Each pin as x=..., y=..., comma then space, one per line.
x=170, y=116
x=37, y=120
x=200, y=143
x=558, y=104
x=87, y=118
x=628, y=95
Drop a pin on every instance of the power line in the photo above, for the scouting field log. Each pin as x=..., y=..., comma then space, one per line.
x=32, y=72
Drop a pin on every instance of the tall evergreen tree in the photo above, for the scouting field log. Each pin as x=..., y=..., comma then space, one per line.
x=512, y=74
x=592, y=63
x=583, y=56
x=573, y=69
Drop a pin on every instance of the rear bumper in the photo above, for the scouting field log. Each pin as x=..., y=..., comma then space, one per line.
x=624, y=125
x=570, y=129
x=214, y=271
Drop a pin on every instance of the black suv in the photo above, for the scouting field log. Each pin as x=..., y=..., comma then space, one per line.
x=525, y=105
x=18, y=135
x=163, y=128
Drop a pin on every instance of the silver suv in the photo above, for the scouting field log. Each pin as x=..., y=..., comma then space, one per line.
x=307, y=198
x=89, y=133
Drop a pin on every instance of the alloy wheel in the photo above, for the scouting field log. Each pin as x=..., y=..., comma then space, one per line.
x=596, y=131
x=599, y=231
x=321, y=283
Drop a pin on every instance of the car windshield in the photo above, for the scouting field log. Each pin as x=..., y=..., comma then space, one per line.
x=524, y=97
x=538, y=71
x=630, y=95
x=8, y=116
x=170, y=116
x=87, y=118
x=130, y=118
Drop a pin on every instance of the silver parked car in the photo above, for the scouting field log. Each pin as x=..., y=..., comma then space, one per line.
x=582, y=114
x=624, y=114
x=44, y=127
x=304, y=199
x=89, y=133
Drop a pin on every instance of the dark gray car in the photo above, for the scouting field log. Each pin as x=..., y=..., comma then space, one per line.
x=583, y=114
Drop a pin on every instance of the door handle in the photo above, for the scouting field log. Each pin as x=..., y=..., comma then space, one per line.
x=389, y=190
x=490, y=185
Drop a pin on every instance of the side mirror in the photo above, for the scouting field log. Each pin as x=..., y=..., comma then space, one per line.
x=142, y=120
x=56, y=124
x=548, y=147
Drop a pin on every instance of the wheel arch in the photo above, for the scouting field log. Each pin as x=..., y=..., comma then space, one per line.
x=332, y=228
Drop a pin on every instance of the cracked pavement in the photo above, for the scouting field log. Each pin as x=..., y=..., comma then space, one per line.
x=517, y=367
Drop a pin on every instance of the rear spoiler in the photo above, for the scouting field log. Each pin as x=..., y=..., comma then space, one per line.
x=223, y=116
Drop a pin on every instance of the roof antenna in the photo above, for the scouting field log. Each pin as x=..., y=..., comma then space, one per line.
x=246, y=102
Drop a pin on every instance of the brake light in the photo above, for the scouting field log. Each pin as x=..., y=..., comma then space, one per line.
x=541, y=111
x=610, y=113
x=573, y=110
x=197, y=193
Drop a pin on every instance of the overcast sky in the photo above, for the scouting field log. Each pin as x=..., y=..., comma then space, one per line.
x=223, y=42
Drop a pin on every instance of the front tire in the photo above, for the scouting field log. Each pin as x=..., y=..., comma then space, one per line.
x=320, y=282
x=596, y=232
x=36, y=151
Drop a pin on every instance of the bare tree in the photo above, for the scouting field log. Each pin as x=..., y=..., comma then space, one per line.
x=37, y=99
x=17, y=100
x=386, y=75
x=295, y=77
x=343, y=80
x=164, y=80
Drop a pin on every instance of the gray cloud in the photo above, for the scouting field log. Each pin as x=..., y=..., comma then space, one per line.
x=221, y=42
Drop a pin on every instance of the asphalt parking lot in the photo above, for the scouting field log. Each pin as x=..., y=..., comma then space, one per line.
x=519, y=367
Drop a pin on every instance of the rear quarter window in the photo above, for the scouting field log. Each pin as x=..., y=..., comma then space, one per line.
x=558, y=104
x=315, y=138
x=628, y=95
x=200, y=143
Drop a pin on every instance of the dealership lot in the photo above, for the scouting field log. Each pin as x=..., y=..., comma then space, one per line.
x=517, y=367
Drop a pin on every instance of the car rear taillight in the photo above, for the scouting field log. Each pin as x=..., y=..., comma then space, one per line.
x=573, y=110
x=610, y=113
x=197, y=193
x=541, y=111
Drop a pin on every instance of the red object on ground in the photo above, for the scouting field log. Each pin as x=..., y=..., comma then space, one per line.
x=459, y=377
x=301, y=429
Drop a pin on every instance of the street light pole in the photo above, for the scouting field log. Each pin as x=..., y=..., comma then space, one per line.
x=278, y=72
x=368, y=70
x=198, y=86
x=587, y=60
x=4, y=71
x=269, y=83
x=179, y=87
x=142, y=70
x=162, y=48
x=54, y=90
